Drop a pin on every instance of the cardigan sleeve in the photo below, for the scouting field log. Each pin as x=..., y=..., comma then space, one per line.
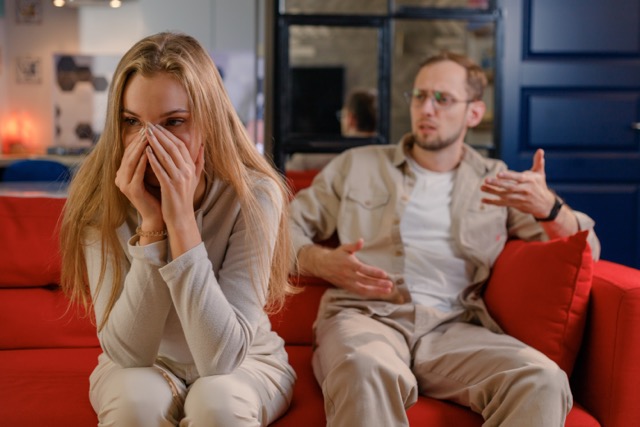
x=133, y=330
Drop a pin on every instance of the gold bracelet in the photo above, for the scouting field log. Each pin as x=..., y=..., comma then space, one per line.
x=141, y=233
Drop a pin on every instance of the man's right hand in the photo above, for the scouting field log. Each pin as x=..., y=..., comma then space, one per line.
x=342, y=268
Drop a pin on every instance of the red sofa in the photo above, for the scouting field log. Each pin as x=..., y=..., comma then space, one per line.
x=47, y=351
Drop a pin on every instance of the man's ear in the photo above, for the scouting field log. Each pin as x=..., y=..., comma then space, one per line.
x=475, y=113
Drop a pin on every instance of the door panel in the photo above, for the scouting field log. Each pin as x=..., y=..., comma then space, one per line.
x=585, y=26
x=581, y=120
x=572, y=86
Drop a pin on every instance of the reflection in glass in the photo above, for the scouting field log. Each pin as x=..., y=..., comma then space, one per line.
x=339, y=7
x=414, y=41
x=326, y=64
x=463, y=4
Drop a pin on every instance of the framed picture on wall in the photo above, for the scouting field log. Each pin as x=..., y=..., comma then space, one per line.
x=28, y=70
x=28, y=11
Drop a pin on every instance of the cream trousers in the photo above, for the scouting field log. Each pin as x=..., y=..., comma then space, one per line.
x=372, y=367
x=255, y=394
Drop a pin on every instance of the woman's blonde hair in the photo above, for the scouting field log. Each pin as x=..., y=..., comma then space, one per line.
x=95, y=202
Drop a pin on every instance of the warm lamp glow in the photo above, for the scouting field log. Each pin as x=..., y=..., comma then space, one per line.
x=58, y=3
x=18, y=135
x=115, y=3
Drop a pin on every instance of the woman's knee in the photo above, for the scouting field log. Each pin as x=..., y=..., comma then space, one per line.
x=136, y=396
x=217, y=401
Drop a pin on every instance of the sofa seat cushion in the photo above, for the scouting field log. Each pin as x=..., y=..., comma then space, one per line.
x=42, y=318
x=47, y=387
x=538, y=292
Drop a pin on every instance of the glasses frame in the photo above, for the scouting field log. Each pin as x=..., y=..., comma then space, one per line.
x=435, y=97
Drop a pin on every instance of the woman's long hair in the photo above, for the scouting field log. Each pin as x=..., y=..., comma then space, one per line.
x=95, y=202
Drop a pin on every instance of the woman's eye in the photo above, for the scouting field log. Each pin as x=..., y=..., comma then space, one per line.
x=174, y=122
x=130, y=121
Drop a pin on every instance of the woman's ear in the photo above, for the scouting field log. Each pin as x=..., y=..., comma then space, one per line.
x=475, y=113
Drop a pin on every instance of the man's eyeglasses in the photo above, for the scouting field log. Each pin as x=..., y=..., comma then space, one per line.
x=439, y=100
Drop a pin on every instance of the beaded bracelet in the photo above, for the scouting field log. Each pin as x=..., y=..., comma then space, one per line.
x=141, y=233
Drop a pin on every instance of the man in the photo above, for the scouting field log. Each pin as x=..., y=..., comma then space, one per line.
x=358, y=119
x=359, y=115
x=420, y=225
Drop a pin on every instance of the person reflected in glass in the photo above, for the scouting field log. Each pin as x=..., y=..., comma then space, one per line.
x=174, y=234
x=358, y=119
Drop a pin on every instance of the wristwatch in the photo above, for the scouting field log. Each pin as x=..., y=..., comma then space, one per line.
x=554, y=211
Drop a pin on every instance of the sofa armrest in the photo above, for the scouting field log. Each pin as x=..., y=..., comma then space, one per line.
x=607, y=376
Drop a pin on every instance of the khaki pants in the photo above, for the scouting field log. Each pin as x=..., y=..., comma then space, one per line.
x=250, y=396
x=373, y=362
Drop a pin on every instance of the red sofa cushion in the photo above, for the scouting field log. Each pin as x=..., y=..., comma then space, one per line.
x=41, y=318
x=29, y=254
x=539, y=293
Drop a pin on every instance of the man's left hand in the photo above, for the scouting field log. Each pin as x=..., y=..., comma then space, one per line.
x=526, y=191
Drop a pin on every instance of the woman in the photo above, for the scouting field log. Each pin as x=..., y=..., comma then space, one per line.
x=175, y=234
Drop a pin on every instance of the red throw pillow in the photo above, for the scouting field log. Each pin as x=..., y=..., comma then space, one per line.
x=538, y=293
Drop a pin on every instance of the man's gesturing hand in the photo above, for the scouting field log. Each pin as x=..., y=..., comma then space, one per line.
x=342, y=268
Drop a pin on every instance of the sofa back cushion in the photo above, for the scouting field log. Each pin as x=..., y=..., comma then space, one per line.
x=42, y=318
x=539, y=293
x=29, y=253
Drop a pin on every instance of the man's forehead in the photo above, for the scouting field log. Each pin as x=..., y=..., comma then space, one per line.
x=445, y=74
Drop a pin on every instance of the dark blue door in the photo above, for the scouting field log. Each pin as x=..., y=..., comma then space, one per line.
x=571, y=85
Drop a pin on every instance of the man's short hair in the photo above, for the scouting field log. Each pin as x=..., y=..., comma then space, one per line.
x=476, y=78
x=363, y=104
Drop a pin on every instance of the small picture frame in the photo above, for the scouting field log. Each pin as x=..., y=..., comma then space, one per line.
x=28, y=70
x=28, y=11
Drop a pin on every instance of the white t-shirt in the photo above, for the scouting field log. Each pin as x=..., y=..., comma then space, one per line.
x=435, y=271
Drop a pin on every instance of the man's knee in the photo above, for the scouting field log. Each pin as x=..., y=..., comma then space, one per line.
x=366, y=372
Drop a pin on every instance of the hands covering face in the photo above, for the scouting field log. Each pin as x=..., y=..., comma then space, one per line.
x=159, y=176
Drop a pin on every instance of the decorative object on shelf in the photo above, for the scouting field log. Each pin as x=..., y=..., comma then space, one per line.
x=29, y=11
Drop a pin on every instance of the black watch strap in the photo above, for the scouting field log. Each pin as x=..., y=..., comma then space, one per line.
x=554, y=211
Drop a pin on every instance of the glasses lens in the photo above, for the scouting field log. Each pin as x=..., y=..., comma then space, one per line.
x=443, y=100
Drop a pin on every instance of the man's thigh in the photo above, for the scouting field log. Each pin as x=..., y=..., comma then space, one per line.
x=458, y=359
x=350, y=333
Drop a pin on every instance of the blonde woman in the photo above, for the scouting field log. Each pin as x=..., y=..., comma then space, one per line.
x=174, y=233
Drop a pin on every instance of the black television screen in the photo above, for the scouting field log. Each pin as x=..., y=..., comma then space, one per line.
x=317, y=95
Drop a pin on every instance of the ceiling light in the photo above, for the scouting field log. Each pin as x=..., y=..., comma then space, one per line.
x=82, y=3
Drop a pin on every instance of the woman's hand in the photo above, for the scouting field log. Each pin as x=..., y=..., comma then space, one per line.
x=130, y=180
x=179, y=176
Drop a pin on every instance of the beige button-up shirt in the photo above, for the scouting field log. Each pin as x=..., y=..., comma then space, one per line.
x=364, y=193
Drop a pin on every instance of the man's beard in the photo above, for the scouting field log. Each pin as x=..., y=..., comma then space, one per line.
x=439, y=143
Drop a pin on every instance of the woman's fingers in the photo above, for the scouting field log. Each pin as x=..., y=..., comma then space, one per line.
x=131, y=160
x=170, y=151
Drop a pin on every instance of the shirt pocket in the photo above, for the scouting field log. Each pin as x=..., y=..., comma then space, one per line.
x=365, y=213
